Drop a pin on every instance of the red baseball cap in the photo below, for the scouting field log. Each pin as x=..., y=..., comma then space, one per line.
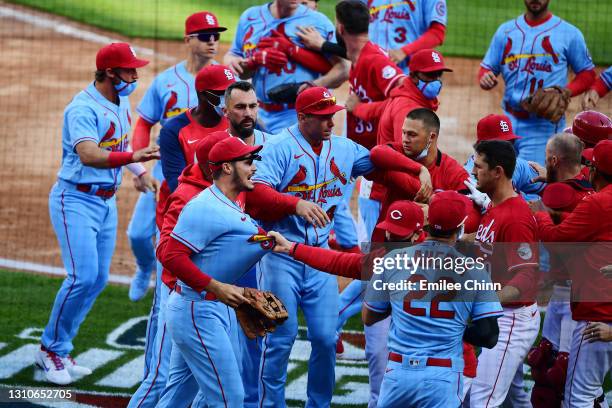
x=427, y=60
x=214, y=78
x=495, y=127
x=317, y=100
x=559, y=196
x=601, y=156
x=403, y=218
x=447, y=210
x=202, y=21
x=203, y=147
x=118, y=55
x=230, y=149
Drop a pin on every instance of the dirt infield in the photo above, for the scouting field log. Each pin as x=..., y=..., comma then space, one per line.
x=43, y=69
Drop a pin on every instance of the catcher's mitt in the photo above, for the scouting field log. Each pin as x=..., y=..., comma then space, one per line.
x=261, y=313
x=548, y=103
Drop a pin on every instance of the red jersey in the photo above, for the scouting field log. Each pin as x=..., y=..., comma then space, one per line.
x=558, y=268
x=190, y=135
x=515, y=263
x=446, y=174
x=589, y=222
x=371, y=78
x=191, y=183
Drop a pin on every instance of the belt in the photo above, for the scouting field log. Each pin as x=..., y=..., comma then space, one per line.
x=275, y=107
x=515, y=113
x=100, y=192
x=431, y=361
x=209, y=295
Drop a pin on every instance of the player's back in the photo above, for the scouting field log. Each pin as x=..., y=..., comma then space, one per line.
x=428, y=321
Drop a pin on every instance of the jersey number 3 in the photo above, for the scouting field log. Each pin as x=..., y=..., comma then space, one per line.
x=434, y=311
x=400, y=35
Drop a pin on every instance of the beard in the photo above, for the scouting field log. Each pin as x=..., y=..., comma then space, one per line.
x=551, y=175
x=243, y=132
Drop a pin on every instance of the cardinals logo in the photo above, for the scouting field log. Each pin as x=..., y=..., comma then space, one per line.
x=299, y=177
x=168, y=109
x=331, y=212
x=547, y=46
x=507, y=50
x=336, y=171
x=263, y=239
x=109, y=133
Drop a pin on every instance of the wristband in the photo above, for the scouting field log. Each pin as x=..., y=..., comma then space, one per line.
x=293, y=249
x=118, y=159
x=137, y=169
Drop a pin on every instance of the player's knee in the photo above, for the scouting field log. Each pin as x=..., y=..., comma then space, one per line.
x=323, y=340
x=138, y=235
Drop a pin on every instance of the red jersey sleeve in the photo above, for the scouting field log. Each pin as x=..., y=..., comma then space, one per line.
x=384, y=74
x=177, y=259
x=370, y=111
x=389, y=158
x=266, y=204
x=520, y=238
x=334, y=262
x=579, y=226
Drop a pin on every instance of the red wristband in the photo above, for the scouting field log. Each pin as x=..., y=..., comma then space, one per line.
x=118, y=159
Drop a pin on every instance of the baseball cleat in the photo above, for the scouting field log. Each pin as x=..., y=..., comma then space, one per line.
x=139, y=285
x=53, y=367
x=75, y=370
x=339, y=347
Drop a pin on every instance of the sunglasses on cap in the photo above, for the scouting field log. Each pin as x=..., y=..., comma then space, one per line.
x=321, y=104
x=205, y=37
x=249, y=160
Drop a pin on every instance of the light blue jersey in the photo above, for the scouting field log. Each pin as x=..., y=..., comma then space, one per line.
x=421, y=326
x=257, y=22
x=395, y=23
x=213, y=226
x=521, y=178
x=289, y=165
x=535, y=57
x=92, y=117
x=606, y=77
x=171, y=93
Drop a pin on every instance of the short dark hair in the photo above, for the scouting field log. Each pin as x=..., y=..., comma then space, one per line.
x=434, y=233
x=498, y=153
x=354, y=15
x=100, y=75
x=427, y=116
x=243, y=86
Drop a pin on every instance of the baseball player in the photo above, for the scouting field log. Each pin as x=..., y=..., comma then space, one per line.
x=82, y=202
x=591, y=127
x=306, y=162
x=599, y=89
x=170, y=94
x=176, y=387
x=425, y=341
x=533, y=53
x=567, y=187
x=200, y=321
x=270, y=67
x=589, y=361
x=499, y=127
x=419, y=90
x=178, y=139
x=404, y=27
x=513, y=264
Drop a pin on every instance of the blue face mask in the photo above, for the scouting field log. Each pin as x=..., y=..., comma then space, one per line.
x=424, y=152
x=218, y=108
x=124, y=88
x=430, y=90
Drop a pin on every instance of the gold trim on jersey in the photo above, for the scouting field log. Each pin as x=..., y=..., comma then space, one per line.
x=296, y=189
x=113, y=142
x=512, y=58
x=374, y=10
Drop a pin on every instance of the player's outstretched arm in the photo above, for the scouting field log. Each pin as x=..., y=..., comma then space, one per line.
x=483, y=332
x=337, y=75
x=93, y=156
x=231, y=295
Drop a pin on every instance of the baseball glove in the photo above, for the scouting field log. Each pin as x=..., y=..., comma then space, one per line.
x=261, y=313
x=548, y=103
x=285, y=93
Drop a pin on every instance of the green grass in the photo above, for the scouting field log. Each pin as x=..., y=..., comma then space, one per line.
x=26, y=300
x=471, y=23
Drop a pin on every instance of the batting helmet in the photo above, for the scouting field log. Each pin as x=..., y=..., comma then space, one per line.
x=591, y=127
